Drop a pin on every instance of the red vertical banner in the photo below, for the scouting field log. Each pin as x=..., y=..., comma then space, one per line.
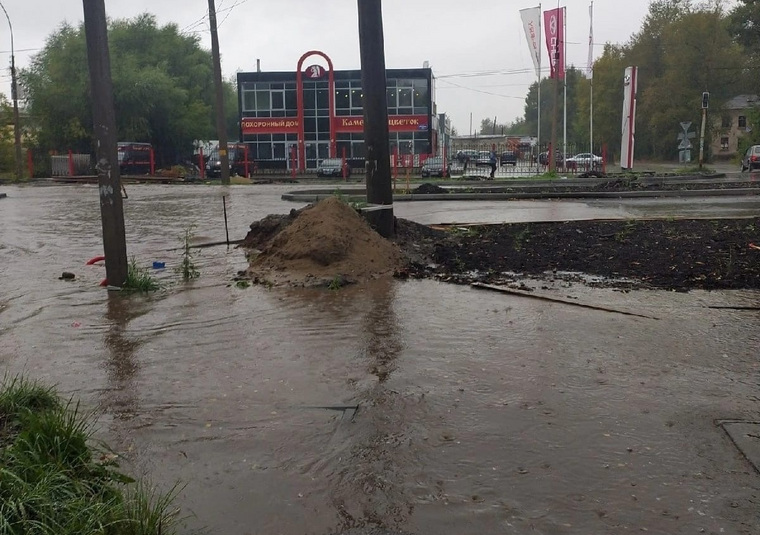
x=245, y=158
x=201, y=163
x=554, y=26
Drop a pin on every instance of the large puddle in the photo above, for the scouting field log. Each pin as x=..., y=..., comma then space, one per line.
x=420, y=406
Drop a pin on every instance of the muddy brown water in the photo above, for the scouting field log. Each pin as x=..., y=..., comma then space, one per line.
x=477, y=412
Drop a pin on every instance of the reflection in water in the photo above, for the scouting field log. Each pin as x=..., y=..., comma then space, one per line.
x=121, y=366
x=371, y=483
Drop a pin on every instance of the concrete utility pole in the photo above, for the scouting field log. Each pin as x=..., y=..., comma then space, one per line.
x=104, y=122
x=378, y=161
x=14, y=98
x=705, y=105
x=221, y=126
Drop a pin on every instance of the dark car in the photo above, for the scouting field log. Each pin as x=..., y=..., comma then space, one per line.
x=435, y=167
x=484, y=158
x=751, y=159
x=332, y=167
x=466, y=155
x=543, y=158
x=236, y=155
x=508, y=158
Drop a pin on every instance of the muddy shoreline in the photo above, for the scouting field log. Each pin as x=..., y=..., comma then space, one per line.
x=681, y=255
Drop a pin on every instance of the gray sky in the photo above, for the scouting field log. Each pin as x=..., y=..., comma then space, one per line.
x=476, y=48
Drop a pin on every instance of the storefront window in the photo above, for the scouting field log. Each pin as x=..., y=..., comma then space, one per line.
x=342, y=101
x=323, y=99
x=291, y=102
x=249, y=101
x=405, y=98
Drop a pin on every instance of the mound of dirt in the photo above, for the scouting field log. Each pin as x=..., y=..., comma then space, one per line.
x=321, y=244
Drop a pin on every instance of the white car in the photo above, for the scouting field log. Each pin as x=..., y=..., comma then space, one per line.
x=585, y=160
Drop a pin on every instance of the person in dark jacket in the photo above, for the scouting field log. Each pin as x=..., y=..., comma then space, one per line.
x=492, y=160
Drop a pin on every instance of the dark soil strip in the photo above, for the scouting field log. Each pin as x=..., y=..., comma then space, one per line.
x=678, y=255
x=522, y=293
x=733, y=308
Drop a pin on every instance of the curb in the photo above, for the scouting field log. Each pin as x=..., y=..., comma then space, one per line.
x=360, y=195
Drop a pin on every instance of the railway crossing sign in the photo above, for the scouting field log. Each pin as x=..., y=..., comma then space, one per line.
x=685, y=136
x=684, y=148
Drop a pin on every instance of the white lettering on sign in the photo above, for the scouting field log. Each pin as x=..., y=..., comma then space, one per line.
x=315, y=72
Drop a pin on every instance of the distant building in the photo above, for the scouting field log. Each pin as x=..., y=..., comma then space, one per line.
x=303, y=116
x=731, y=125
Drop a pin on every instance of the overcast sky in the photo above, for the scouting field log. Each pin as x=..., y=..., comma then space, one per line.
x=477, y=48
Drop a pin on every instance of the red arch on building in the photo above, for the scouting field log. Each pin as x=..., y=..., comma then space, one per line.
x=299, y=96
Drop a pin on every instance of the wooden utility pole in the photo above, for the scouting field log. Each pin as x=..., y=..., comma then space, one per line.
x=221, y=124
x=378, y=159
x=104, y=122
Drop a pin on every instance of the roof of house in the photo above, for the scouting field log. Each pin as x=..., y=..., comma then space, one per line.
x=742, y=102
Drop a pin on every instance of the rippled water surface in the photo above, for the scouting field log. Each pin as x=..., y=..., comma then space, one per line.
x=420, y=406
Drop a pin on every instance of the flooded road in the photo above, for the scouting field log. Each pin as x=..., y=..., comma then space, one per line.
x=420, y=406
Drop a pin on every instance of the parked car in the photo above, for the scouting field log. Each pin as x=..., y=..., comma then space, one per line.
x=584, y=160
x=435, y=167
x=333, y=167
x=466, y=155
x=484, y=158
x=543, y=158
x=236, y=159
x=508, y=158
x=751, y=159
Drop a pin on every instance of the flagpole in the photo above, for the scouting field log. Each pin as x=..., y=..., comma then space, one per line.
x=591, y=78
x=564, y=63
x=538, y=133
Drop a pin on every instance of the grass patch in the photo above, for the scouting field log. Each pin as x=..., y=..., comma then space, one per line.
x=521, y=238
x=138, y=279
x=627, y=231
x=694, y=170
x=187, y=267
x=53, y=480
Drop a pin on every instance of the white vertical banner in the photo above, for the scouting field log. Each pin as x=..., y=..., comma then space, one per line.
x=630, y=83
x=531, y=18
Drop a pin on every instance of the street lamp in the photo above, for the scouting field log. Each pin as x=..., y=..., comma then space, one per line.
x=14, y=97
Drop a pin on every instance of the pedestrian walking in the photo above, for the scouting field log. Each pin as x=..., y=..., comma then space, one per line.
x=492, y=160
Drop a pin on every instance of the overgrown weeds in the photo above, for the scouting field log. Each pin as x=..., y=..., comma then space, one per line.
x=187, y=267
x=626, y=231
x=138, y=279
x=521, y=238
x=53, y=480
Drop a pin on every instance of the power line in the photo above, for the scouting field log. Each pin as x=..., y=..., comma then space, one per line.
x=481, y=91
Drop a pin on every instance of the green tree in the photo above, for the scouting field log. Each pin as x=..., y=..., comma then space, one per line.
x=608, y=98
x=163, y=89
x=698, y=55
x=7, y=154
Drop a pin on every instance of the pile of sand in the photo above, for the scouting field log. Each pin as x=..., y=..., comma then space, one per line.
x=324, y=243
